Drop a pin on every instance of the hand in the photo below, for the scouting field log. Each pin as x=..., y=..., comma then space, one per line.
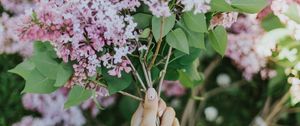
x=152, y=108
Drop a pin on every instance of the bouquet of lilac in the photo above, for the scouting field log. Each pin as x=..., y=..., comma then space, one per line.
x=101, y=47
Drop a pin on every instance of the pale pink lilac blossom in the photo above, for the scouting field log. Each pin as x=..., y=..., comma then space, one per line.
x=159, y=8
x=51, y=107
x=92, y=33
x=198, y=6
x=17, y=6
x=9, y=41
x=103, y=101
x=225, y=19
x=173, y=88
x=244, y=46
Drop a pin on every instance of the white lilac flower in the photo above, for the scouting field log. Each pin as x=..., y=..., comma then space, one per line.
x=211, y=113
x=295, y=93
x=279, y=8
x=294, y=80
x=223, y=80
x=297, y=66
x=259, y=121
x=285, y=53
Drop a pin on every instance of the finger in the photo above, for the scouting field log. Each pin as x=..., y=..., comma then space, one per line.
x=168, y=117
x=175, y=122
x=150, y=108
x=161, y=107
x=136, y=119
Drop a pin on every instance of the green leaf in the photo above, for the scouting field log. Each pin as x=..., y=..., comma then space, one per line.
x=193, y=74
x=183, y=60
x=77, y=95
x=185, y=80
x=142, y=20
x=178, y=40
x=37, y=83
x=40, y=71
x=278, y=84
x=47, y=66
x=218, y=39
x=155, y=73
x=221, y=6
x=271, y=22
x=293, y=13
x=145, y=33
x=195, y=39
x=195, y=22
x=40, y=47
x=23, y=69
x=167, y=25
x=65, y=71
x=115, y=84
x=249, y=6
x=172, y=74
x=44, y=60
x=127, y=107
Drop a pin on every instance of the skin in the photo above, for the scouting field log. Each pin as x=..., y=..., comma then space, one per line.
x=151, y=109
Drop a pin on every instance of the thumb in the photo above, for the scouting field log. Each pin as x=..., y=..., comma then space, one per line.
x=150, y=108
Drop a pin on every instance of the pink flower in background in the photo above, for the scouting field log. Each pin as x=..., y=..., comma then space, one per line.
x=246, y=49
x=173, y=88
x=51, y=108
x=9, y=41
x=103, y=101
x=17, y=6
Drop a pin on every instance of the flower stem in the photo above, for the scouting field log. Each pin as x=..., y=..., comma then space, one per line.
x=130, y=95
x=164, y=71
x=121, y=92
x=158, y=44
x=136, y=74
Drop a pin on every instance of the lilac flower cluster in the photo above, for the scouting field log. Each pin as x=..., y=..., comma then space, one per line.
x=199, y=6
x=158, y=8
x=225, y=19
x=9, y=41
x=173, y=88
x=17, y=6
x=91, y=32
x=246, y=49
x=51, y=108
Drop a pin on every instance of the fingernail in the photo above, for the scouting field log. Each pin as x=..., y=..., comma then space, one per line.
x=151, y=94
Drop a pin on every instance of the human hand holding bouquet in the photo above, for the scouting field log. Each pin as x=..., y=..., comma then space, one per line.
x=154, y=111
